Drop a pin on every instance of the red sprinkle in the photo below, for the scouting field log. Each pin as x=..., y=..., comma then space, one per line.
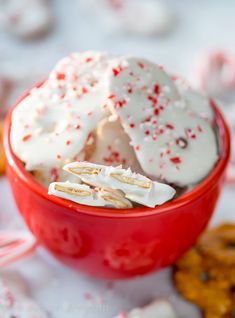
x=147, y=132
x=116, y=71
x=89, y=59
x=156, y=111
x=58, y=156
x=78, y=127
x=137, y=148
x=111, y=96
x=54, y=174
x=132, y=125
x=60, y=76
x=141, y=65
x=156, y=89
x=68, y=142
x=169, y=126
x=26, y=138
x=175, y=160
x=84, y=90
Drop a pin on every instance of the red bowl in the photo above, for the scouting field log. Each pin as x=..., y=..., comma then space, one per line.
x=113, y=243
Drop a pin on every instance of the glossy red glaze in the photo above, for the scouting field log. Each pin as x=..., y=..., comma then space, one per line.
x=113, y=243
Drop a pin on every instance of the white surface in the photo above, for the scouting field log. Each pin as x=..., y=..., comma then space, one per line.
x=201, y=24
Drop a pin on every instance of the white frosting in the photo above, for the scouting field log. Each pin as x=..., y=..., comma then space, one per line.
x=168, y=137
x=157, y=309
x=85, y=195
x=52, y=124
x=25, y=18
x=136, y=187
x=113, y=147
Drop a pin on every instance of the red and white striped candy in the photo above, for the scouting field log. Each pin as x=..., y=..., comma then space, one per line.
x=15, y=245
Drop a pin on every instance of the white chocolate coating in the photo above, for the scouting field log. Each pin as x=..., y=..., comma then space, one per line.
x=85, y=195
x=171, y=142
x=14, y=300
x=52, y=125
x=157, y=309
x=198, y=102
x=113, y=146
x=136, y=187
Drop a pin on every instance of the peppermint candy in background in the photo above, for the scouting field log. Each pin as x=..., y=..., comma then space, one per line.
x=215, y=73
x=122, y=15
x=14, y=300
x=15, y=245
x=25, y=18
x=157, y=309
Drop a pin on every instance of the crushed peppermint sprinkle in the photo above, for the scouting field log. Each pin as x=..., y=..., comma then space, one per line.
x=68, y=142
x=132, y=125
x=26, y=137
x=175, y=160
x=60, y=76
x=117, y=70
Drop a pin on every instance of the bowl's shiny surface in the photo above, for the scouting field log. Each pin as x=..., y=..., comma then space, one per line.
x=116, y=243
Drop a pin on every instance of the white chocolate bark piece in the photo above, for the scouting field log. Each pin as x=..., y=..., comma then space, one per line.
x=198, y=102
x=136, y=187
x=113, y=146
x=14, y=299
x=52, y=125
x=157, y=309
x=26, y=18
x=85, y=195
x=168, y=137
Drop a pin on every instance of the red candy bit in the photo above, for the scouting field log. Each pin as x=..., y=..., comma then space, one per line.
x=170, y=126
x=199, y=128
x=132, y=125
x=147, y=132
x=89, y=113
x=111, y=96
x=78, y=126
x=84, y=90
x=120, y=103
x=89, y=59
x=175, y=160
x=137, y=148
x=54, y=175
x=156, y=89
x=26, y=137
x=116, y=71
x=60, y=76
x=68, y=142
x=153, y=100
x=156, y=111
x=140, y=64
x=58, y=157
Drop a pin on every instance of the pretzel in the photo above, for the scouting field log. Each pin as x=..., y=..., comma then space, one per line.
x=136, y=187
x=158, y=308
x=59, y=117
x=84, y=194
x=156, y=119
x=219, y=243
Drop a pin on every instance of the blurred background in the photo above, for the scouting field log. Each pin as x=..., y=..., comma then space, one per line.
x=35, y=34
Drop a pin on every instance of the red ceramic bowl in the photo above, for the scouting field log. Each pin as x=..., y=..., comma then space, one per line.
x=113, y=243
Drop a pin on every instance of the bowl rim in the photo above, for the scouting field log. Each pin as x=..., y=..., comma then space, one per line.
x=168, y=207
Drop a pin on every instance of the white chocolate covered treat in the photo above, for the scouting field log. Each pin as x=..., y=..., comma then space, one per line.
x=52, y=125
x=113, y=146
x=198, y=102
x=25, y=18
x=85, y=195
x=135, y=187
x=14, y=301
x=157, y=309
x=171, y=142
